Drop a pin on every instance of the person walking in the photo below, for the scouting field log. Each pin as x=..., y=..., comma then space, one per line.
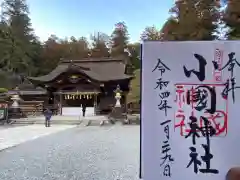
x=48, y=115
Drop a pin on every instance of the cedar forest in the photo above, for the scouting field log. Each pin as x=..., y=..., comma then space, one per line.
x=21, y=51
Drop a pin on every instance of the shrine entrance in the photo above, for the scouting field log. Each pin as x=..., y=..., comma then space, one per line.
x=72, y=102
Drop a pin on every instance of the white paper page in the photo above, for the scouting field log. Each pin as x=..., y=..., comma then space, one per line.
x=201, y=96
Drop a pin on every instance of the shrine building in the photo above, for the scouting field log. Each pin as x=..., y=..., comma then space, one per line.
x=89, y=82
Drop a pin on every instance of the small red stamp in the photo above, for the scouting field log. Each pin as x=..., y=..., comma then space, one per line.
x=218, y=59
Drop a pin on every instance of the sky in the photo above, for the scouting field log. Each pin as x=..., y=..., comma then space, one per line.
x=65, y=18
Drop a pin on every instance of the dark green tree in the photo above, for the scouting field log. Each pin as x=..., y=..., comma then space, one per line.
x=37, y=50
x=231, y=17
x=19, y=56
x=16, y=14
x=5, y=43
x=119, y=40
x=134, y=94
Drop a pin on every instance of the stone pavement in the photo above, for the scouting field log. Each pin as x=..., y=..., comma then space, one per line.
x=10, y=137
x=82, y=153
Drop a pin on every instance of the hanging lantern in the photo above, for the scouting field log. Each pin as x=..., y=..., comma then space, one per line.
x=87, y=96
x=73, y=97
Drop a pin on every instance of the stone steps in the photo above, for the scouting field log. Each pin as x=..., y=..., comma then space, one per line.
x=68, y=120
x=71, y=120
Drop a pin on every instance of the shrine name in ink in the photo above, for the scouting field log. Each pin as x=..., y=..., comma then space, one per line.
x=200, y=96
x=207, y=130
x=231, y=81
x=201, y=71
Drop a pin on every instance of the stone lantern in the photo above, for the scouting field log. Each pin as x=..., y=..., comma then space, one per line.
x=15, y=105
x=117, y=113
x=118, y=96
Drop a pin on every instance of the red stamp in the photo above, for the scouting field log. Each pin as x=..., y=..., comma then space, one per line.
x=200, y=100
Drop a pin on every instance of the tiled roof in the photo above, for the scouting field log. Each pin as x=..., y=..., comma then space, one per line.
x=97, y=69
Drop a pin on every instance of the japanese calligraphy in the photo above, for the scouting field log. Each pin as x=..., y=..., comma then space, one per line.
x=231, y=82
x=200, y=100
x=161, y=67
x=160, y=85
x=207, y=130
x=218, y=59
x=166, y=150
x=190, y=100
x=201, y=72
x=193, y=129
x=163, y=105
x=200, y=96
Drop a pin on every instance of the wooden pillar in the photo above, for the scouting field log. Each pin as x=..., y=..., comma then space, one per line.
x=54, y=105
x=125, y=102
x=60, y=105
x=95, y=103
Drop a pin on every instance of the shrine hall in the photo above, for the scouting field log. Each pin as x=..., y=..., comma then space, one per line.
x=87, y=82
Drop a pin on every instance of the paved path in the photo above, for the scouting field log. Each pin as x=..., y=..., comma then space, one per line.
x=7, y=126
x=81, y=153
x=13, y=136
x=59, y=119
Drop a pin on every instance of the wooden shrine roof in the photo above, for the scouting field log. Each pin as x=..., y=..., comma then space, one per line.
x=28, y=91
x=107, y=69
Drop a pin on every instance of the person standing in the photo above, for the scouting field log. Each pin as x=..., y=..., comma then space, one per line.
x=48, y=115
x=83, y=110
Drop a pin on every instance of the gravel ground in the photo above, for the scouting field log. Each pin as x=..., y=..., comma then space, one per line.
x=82, y=153
x=5, y=126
